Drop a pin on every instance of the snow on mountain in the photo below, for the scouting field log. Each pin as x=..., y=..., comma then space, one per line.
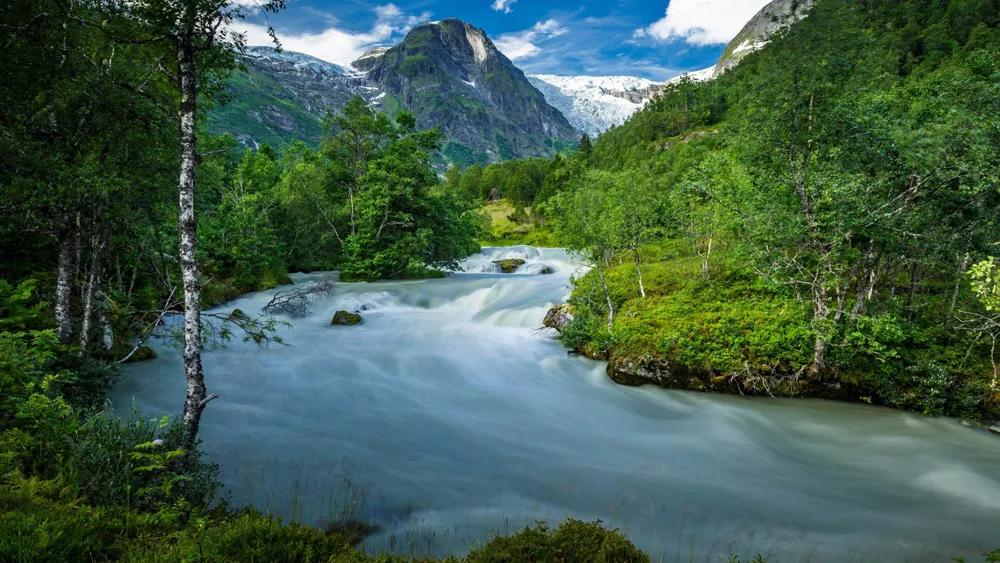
x=695, y=75
x=594, y=104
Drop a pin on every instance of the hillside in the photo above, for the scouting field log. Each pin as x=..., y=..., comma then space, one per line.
x=281, y=96
x=804, y=224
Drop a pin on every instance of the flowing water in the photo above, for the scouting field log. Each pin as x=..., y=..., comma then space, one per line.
x=447, y=415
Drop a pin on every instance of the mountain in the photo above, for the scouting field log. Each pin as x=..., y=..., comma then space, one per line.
x=450, y=75
x=280, y=96
x=771, y=19
x=594, y=104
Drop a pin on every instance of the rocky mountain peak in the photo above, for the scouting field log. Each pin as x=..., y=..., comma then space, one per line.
x=771, y=19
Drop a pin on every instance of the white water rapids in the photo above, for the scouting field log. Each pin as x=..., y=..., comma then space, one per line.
x=447, y=416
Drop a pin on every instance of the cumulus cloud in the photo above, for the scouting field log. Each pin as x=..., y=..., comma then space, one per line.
x=702, y=22
x=521, y=45
x=505, y=6
x=334, y=44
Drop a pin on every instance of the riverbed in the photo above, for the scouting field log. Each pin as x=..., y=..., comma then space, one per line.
x=448, y=415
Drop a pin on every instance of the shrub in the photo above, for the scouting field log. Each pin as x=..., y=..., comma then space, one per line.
x=573, y=541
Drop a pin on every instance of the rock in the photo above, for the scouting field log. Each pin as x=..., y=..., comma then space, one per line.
x=345, y=318
x=558, y=316
x=645, y=369
x=547, y=270
x=238, y=315
x=509, y=265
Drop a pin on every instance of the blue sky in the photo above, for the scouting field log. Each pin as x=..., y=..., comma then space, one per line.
x=655, y=39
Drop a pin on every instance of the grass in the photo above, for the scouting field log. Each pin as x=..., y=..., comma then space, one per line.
x=504, y=231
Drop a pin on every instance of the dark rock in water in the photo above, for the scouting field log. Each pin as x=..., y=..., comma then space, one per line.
x=547, y=270
x=558, y=316
x=645, y=368
x=345, y=318
x=238, y=315
x=509, y=265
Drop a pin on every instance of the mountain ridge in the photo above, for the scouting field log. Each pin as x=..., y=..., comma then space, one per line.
x=449, y=74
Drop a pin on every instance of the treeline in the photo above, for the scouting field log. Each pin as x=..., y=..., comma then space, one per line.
x=524, y=183
x=114, y=212
x=821, y=219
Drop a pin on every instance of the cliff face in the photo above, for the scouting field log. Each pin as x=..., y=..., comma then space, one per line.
x=451, y=76
x=771, y=19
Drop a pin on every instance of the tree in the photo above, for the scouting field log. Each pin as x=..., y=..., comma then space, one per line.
x=585, y=147
x=984, y=277
x=583, y=217
x=197, y=36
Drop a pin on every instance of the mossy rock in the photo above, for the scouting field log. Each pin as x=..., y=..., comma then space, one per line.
x=558, y=316
x=345, y=318
x=509, y=265
x=238, y=315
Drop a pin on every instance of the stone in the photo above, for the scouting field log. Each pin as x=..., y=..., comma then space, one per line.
x=558, y=316
x=509, y=265
x=345, y=318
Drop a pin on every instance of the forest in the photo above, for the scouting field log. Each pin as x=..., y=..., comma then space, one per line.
x=820, y=220
x=823, y=220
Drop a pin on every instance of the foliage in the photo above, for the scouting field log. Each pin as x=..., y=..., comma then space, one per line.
x=809, y=215
x=573, y=540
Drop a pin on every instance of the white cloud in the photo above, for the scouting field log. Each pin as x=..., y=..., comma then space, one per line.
x=337, y=45
x=703, y=22
x=521, y=45
x=505, y=6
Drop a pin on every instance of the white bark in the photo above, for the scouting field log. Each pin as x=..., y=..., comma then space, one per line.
x=607, y=296
x=196, y=397
x=91, y=294
x=64, y=287
x=638, y=271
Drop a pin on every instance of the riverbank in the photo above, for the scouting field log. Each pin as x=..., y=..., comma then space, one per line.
x=712, y=324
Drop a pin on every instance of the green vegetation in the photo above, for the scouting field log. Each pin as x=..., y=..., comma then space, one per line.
x=92, y=259
x=249, y=93
x=820, y=220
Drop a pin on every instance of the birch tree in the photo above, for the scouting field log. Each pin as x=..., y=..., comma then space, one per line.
x=197, y=38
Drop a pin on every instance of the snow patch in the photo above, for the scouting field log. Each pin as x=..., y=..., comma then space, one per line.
x=594, y=104
x=695, y=75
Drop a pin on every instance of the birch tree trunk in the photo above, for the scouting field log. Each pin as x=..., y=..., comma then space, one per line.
x=607, y=295
x=821, y=312
x=963, y=263
x=64, y=287
x=638, y=271
x=196, y=397
x=90, y=294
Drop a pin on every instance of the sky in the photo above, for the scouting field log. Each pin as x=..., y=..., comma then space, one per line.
x=654, y=39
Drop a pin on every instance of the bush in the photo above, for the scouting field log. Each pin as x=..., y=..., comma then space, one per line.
x=573, y=541
x=247, y=537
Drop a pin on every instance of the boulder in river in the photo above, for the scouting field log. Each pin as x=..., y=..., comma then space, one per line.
x=509, y=265
x=558, y=316
x=345, y=318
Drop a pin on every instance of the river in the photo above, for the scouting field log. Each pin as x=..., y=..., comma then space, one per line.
x=447, y=415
